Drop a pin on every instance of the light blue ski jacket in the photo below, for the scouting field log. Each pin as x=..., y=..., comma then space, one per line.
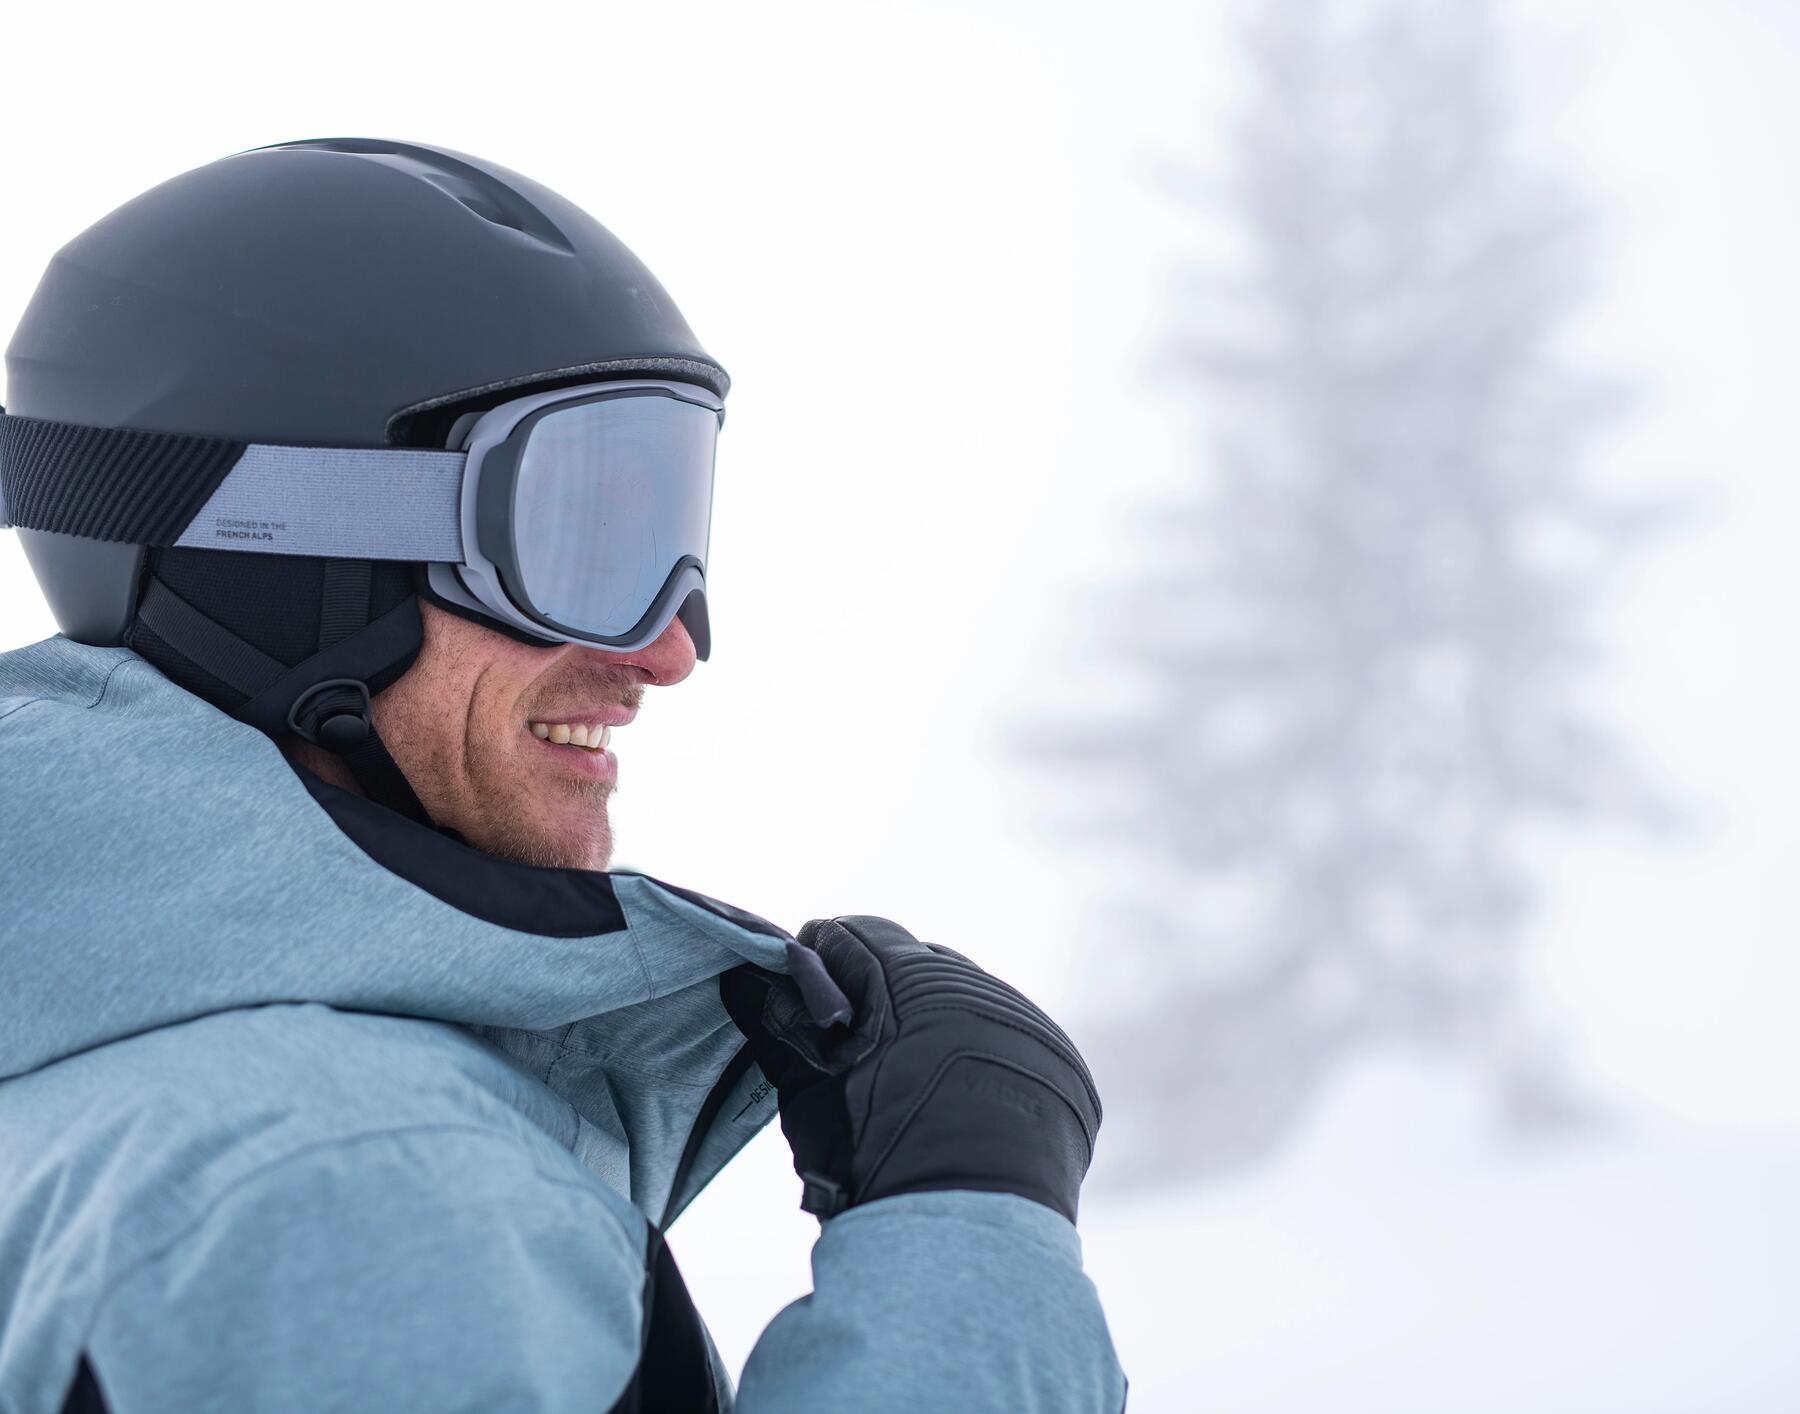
x=306, y=1107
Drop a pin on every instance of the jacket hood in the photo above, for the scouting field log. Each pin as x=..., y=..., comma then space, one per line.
x=163, y=862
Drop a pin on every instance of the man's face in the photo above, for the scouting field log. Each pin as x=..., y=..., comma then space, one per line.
x=480, y=723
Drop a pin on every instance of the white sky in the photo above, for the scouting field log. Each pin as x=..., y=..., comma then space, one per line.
x=924, y=240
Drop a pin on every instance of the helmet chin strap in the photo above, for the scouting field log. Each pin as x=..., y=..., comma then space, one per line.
x=336, y=715
x=326, y=698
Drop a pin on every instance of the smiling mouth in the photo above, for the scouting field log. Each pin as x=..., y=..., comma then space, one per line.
x=581, y=735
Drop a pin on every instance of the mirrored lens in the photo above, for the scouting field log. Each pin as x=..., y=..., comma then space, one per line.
x=610, y=496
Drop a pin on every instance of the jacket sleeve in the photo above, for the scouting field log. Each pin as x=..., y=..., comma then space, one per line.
x=955, y=1300
x=440, y=1268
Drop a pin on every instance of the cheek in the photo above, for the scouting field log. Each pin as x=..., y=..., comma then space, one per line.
x=493, y=746
x=499, y=755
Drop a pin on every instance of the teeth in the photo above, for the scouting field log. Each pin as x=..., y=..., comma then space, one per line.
x=591, y=738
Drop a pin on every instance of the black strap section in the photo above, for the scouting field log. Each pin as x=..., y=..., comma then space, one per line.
x=343, y=612
x=344, y=601
x=674, y=1373
x=393, y=637
x=108, y=483
x=284, y=699
x=381, y=778
x=84, y=1395
x=232, y=660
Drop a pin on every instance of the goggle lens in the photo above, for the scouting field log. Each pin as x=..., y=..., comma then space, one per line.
x=611, y=496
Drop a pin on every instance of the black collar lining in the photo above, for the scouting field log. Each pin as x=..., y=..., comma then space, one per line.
x=552, y=903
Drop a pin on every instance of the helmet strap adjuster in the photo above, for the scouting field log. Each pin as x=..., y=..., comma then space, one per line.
x=334, y=714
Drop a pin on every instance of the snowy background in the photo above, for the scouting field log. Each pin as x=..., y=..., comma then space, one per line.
x=1268, y=525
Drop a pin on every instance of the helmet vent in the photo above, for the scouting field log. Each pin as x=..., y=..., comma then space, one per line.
x=484, y=204
x=489, y=198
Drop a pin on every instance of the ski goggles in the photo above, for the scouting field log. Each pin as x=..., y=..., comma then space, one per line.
x=580, y=515
x=585, y=514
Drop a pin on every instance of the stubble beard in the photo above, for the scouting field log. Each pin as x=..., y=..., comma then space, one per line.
x=525, y=838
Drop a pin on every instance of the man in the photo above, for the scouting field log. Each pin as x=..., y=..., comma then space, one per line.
x=370, y=485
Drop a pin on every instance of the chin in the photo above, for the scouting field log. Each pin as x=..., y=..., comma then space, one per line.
x=585, y=843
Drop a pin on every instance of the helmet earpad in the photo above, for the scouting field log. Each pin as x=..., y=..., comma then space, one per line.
x=272, y=601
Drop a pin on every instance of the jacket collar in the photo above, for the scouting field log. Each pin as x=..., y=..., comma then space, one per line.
x=166, y=862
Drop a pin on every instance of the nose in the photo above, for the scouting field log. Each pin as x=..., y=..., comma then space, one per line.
x=665, y=662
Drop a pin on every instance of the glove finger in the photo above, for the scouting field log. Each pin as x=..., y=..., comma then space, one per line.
x=883, y=937
x=856, y=974
x=824, y=998
x=768, y=1009
x=848, y=961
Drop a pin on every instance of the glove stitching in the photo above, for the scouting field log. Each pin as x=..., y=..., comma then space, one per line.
x=1074, y=1062
x=1003, y=1003
x=919, y=980
x=993, y=1009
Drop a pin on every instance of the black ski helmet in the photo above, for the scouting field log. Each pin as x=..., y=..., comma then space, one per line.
x=345, y=292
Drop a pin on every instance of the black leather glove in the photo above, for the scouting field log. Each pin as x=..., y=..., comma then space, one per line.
x=902, y=1067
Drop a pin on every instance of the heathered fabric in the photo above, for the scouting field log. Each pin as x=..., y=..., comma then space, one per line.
x=279, y=1129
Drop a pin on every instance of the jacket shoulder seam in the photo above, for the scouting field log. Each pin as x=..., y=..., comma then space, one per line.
x=99, y=697
x=264, y=1170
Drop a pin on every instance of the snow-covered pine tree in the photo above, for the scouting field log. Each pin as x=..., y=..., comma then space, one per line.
x=1359, y=641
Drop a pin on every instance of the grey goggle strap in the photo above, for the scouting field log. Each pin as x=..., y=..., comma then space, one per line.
x=167, y=488
x=345, y=503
